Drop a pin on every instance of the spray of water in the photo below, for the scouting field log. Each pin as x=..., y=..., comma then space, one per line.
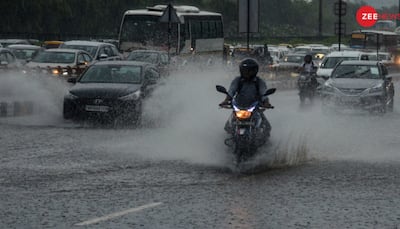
x=45, y=93
x=182, y=121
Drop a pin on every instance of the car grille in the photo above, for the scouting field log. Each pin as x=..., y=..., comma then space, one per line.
x=114, y=105
x=352, y=91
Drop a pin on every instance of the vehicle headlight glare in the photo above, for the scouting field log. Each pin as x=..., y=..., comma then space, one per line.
x=243, y=114
x=132, y=96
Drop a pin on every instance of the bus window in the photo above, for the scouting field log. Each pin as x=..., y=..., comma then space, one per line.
x=374, y=40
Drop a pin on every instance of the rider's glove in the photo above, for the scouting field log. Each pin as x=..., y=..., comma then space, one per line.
x=266, y=104
x=225, y=102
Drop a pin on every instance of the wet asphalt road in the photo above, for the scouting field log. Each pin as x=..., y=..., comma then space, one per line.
x=339, y=171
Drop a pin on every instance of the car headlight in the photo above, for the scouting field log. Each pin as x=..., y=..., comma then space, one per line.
x=377, y=88
x=133, y=96
x=71, y=96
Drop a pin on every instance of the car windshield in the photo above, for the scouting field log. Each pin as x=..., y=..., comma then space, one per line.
x=24, y=54
x=356, y=71
x=143, y=56
x=112, y=74
x=55, y=57
x=330, y=62
x=88, y=48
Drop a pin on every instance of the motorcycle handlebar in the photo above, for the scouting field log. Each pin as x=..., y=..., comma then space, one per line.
x=230, y=107
x=225, y=106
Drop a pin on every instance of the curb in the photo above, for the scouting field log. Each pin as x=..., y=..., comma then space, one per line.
x=16, y=108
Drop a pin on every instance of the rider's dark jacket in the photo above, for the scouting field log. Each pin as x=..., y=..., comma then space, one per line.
x=246, y=92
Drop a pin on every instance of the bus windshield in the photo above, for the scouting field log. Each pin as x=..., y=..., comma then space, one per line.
x=147, y=30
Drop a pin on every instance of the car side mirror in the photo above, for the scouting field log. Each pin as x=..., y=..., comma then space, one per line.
x=103, y=56
x=80, y=63
x=151, y=81
x=71, y=80
x=325, y=77
x=221, y=89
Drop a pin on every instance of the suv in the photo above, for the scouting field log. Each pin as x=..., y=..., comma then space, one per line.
x=358, y=84
x=98, y=50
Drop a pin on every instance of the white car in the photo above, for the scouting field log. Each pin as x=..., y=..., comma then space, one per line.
x=98, y=50
x=333, y=58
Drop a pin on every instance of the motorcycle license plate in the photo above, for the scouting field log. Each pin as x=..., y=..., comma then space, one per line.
x=242, y=131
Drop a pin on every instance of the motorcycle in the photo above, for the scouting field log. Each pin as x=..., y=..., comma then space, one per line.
x=247, y=129
x=307, y=85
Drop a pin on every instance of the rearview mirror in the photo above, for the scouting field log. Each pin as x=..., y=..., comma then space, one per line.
x=221, y=89
x=103, y=56
x=270, y=91
x=325, y=77
x=71, y=80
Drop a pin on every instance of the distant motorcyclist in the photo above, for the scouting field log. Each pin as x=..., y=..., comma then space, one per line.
x=308, y=64
x=310, y=68
x=248, y=88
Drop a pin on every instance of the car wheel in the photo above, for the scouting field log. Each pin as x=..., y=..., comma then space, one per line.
x=383, y=107
x=390, y=105
x=137, y=118
x=68, y=113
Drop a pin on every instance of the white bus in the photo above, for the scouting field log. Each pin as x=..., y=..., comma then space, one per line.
x=198, y=31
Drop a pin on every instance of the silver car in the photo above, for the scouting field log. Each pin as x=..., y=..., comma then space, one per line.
x=98, y=50
x=358, y=84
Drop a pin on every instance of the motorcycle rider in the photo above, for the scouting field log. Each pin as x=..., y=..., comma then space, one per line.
x=308, y=64
x=310, y=68
x=246, y=89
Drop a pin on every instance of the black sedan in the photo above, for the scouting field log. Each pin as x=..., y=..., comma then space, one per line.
x=110, y=91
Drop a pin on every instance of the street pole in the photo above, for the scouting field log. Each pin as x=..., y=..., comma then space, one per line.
x=248, y=26
x=320, y=19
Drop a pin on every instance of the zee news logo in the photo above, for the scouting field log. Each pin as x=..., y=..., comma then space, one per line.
x=367, y=16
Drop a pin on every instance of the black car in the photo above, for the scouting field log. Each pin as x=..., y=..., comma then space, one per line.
x=110, y=91
x=358, y=84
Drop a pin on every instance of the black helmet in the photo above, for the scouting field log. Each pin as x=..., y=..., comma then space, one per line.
x=307, y=58
x=249, y=65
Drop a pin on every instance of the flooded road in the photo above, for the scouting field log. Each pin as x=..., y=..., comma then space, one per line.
x=320, y=171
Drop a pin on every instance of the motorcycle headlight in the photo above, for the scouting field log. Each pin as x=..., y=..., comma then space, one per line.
x=133, y=96
x=69, y=95
x=377, y=88
x=243, y=114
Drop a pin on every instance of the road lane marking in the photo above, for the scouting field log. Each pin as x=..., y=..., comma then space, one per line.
x=117, y=214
